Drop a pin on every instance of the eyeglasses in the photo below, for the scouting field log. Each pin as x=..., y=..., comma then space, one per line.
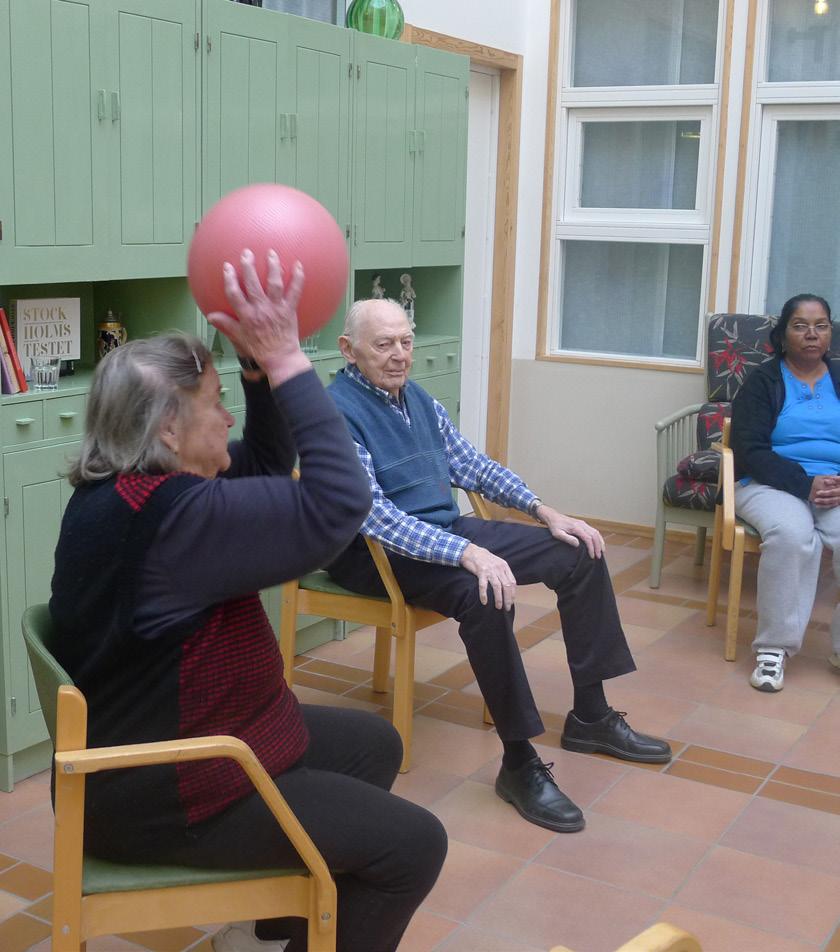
x=799, y=327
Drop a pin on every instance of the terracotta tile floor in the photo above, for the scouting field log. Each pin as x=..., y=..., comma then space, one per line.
x=737, y=840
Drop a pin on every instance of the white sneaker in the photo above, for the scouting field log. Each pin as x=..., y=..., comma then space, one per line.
x=769, y=674
x=240, y=937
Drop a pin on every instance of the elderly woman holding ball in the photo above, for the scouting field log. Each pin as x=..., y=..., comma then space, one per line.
x=169, y=536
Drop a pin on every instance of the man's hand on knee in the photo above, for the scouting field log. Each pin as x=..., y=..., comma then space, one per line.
x=492, y=572
x=572, y=531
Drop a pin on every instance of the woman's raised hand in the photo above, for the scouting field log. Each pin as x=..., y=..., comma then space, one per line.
x=267, y=325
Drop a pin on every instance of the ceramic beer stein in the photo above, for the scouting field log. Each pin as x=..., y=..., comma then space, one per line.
x=110, y=334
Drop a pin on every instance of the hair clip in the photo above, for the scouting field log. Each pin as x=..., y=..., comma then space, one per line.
x=198, y=366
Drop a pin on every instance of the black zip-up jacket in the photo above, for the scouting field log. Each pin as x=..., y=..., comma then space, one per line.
x=755, y=409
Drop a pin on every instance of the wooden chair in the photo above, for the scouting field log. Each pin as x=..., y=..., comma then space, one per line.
x=93, y=897
x=662, y=937
x=732, y=535
x=393, y=618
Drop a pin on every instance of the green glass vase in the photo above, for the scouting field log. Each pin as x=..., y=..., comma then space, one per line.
x=379, y=17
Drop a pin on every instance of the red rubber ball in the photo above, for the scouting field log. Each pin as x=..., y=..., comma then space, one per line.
x=262, y=217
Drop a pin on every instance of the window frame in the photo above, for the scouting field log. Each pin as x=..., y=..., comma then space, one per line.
x=771, y=103
x=567, y=221
x=574, y=213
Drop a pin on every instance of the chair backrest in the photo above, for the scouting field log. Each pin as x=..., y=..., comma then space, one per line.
x=736, y=343
x=39, y=635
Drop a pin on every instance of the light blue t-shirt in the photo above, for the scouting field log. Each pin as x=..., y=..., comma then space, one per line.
x=807, y=430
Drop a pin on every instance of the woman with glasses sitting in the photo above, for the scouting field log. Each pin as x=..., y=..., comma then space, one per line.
x=786, y=442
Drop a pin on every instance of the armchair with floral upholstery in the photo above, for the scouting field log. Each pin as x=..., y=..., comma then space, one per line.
x=686, y=466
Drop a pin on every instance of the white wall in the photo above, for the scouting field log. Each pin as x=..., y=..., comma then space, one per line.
x=581, y=435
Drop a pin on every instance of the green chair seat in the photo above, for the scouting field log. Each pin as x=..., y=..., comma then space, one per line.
x=320, y=581
x=102, y=876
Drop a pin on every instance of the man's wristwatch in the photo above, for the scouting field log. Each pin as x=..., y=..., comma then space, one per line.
x=533, y=507
x=248, y=363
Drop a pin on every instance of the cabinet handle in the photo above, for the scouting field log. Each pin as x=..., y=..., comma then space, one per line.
x=412, y=141
x=223, y=391
x=283, y=120
x=67, y=415
x=451, y=356
x=293, y=125
x=115, y=105
x=333, y=373
x=421, y=141
x=24, y=421
x=100, y=104
x=430, y=360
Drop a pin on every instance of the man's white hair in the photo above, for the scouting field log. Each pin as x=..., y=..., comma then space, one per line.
x=357, y=313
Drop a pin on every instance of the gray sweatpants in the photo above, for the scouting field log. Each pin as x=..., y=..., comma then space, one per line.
x=793, y=533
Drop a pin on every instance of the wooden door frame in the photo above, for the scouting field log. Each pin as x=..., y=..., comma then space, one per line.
x=509, y=66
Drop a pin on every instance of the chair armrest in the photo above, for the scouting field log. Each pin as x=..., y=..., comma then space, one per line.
x=676, y=437
x=480, y=505
x=386, y=573
x=668, y=421
x=727, y=489
x=93, y=760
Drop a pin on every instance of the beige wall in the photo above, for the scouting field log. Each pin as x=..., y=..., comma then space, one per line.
x=583, y=439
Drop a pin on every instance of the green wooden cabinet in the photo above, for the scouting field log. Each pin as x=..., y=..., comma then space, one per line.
x=120, y=122
x=150, y=134
x=383, y=202
x=98, y=120
x=318, y=91
x=410, y=155
x=35, y=496
x=440, y=169
x=245, y=129
x=51, y=205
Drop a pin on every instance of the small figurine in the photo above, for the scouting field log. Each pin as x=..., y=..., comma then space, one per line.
x=407, y=295
x=377, y=289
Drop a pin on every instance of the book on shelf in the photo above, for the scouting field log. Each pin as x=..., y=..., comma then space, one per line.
x=8, y=381
x=10, y=355
x=47, y=327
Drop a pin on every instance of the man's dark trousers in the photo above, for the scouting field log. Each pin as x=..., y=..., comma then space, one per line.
x=596, y=647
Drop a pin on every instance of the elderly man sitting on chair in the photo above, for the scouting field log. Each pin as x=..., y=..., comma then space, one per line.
x=468, y=569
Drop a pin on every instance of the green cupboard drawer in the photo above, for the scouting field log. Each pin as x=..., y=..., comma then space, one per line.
x=441, y=358
x=22, y=422
x=64, y=416
x=444, y=387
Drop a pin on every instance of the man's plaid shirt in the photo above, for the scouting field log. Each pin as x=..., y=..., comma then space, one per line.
x=468, y=469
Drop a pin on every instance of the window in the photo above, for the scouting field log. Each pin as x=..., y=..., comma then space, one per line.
x=644, y=42
x=635, y=130
x=795, y=156
x=804, y=41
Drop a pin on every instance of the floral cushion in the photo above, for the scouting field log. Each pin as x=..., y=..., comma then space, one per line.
x=710, y=423
x=689, y=493
x=703, y=465
x=737, y=343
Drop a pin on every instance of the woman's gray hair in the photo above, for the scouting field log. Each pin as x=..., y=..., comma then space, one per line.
x=136, y=389
x=357, y=311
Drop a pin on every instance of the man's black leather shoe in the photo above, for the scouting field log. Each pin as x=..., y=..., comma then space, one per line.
x=613, y=735
x=532, y=790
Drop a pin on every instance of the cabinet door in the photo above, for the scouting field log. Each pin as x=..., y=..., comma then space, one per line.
x=319, y=123
x=383, y=163
x=151, y=108
x=52, y=213
x=440, y=158
x=246, y=107
x=37, y=495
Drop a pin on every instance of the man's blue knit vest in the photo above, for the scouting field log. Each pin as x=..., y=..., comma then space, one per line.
x=409, y=461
